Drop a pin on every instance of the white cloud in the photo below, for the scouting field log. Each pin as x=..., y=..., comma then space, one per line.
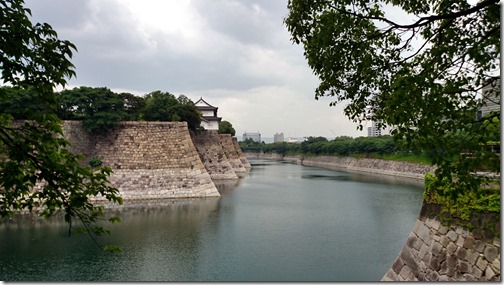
x=237, y=55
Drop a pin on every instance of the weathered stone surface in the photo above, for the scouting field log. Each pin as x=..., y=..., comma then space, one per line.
x=489, y=273
x=458, y=276
x=464, y=267
x=476, y=272
x=423, y=232
x=444, y=241
x=451, y=248
x=212, y=155
x=242, y=156
x=452, y=261
x=469, y=277
x=479, y=246
x=461, y=253
x=436, y=248
x=443, y=229
x=406, y=273
x=452, y=235
x=481, y=263
x=423, y=250
x=460, y=241
x=409, y=260
x=472, y=256
x=390, y=276
x=150, y=160
x=443, y=278
x=457, y=255
x=490, y=253
x=422, y=277
x=443, y=268
x=435, y=263
x=468, y=242
x=411, y=240
x=427, y=258
x=397, y=265
x=432, y=276
x=461, y=231
x=496, y=265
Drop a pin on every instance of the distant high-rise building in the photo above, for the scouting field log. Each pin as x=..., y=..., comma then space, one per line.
x=254, y=136
x=374, y=131
x=490, y=100
x=278, y=137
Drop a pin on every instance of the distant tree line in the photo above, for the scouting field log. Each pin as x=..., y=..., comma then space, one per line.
x=342, y=146
x=99, y=108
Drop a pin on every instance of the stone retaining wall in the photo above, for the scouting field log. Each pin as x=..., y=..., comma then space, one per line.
x=242, y=156
x=232, y=155
x=434, y=252
x=212, y=155
x=150, y=160
x=367, y=165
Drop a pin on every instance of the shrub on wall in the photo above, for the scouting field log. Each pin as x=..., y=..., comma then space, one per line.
x=462, y=207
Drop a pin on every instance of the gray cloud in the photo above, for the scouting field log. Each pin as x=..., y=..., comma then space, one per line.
x=236, y=54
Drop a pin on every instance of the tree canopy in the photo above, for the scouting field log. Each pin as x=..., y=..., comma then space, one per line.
x=423, y=78
x=99, y=108
x=225, y=127
x=164, y=106
x=34, y=61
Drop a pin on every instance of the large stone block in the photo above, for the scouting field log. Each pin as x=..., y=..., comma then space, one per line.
x=490, y=253
x=397, y=265
x=423, y=232
x=452, y=235
x=409, y=260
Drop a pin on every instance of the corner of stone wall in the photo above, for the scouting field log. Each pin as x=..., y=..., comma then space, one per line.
x=150, y=160
x=434, y=252
x=212, y=155
x=243, y=158
x=232, y=155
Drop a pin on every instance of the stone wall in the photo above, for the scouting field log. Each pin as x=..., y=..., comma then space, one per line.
x=367, y=165
x=232, y=155
x=242, y=156
x=150, y=160
x=212, y=155
x=434, y=252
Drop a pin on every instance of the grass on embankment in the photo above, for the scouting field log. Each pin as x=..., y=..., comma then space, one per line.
x=407, y=157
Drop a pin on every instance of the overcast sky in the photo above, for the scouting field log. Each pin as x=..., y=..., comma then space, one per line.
x=237, y=55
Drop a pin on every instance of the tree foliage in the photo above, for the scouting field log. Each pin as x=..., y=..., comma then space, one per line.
x=163, y=106
x=226, y=127
x=34, y=61
x=23, y=104
x=99, y=109
x=422, y=78
x=340, y=146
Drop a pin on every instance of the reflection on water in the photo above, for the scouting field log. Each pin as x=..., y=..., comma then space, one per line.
x=225, y=186
x=283, y=222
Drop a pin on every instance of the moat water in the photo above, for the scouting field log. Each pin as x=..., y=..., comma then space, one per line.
x=283, y=222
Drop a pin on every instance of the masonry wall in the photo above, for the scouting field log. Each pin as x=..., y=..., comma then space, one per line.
x=242, y=156
x=232, y=155
x=212, y=155
x=366, y=165
x=434, y=252
x=150, y=160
